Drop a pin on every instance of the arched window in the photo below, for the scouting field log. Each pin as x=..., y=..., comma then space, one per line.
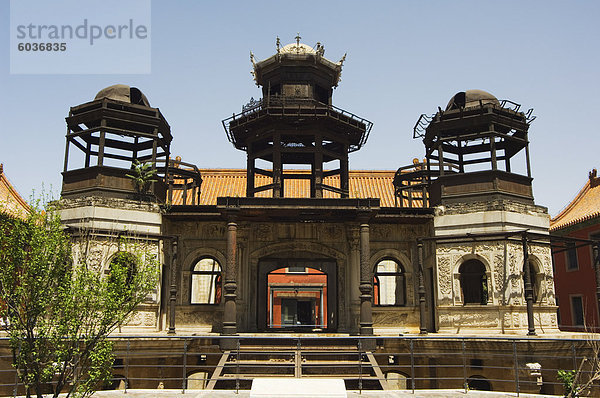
x=535, y=281
x=206, y=282
x=473, y=282
x=389, y=287
x=122, y=268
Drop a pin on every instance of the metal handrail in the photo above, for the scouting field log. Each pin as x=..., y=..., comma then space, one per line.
x=502, y=362
x=424, y=120
x=180, y=176
x=254, y=108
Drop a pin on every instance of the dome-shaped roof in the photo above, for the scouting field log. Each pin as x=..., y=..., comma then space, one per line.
x=469, y=98
x=297, y=48
x=124, y=93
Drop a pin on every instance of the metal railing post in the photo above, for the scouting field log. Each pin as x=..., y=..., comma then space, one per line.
x=127, y=366
x=237, y=367
x=464, y=360
x=360, y=385
x=515, y=360
x=16, y=383
x=298, y=360
x=574, y=354
x=17, y=371
x=412, y=365
x=183, y=376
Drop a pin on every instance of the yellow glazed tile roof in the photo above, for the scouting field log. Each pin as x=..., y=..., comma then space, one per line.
x=232, y=182
x=10, y=200
x=585, y=206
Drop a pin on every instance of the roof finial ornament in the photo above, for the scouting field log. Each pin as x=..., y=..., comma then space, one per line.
x=343, y=59
x=278, y=44
x=252, y=59
x=320, y=49
x=298, y=39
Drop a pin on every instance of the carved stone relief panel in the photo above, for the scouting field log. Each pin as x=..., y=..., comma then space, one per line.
x=499, y=281
x=410, y=290
x=381, y=232
x=444, y=274
x=331, y=233
x=395, y=318
x=341, y=287
x=214, y=230
x=457, y=293
x=190, y=317
x=184, y=287
x=263, y=232
x=142, y=318
x=469, y=319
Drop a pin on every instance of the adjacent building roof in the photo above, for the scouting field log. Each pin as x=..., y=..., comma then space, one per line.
x=10, y=200
x=585, y=206
x=232, y=182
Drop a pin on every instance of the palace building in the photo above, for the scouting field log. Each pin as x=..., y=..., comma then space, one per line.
x=298, y=242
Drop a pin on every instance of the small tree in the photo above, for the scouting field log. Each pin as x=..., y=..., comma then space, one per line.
x=143, y=175
x=581, y=382
x=58, y=312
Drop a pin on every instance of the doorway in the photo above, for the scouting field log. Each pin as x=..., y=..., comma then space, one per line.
x=299, y=312
x=297, y=295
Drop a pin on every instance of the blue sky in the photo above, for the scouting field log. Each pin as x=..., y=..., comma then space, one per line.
x=404, y=58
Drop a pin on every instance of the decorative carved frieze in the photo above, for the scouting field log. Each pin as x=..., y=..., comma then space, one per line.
x=391, y=318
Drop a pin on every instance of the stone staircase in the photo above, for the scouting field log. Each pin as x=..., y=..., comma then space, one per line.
x=313, y=359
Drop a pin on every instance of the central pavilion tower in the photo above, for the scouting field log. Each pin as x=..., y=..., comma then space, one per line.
x=295, y=123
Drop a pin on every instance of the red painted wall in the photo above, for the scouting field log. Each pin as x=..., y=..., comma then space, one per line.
x=312, y=278
x=577, y=282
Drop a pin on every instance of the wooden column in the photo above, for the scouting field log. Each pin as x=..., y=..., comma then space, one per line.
x=250, y=162
x=461, y=157
x=101, y=143
x=421, y=290
x=230, y=286
x=154, y=156
x=318, y=167
x=528, y=287
x=134, y=152
x=154, y=148
x=277, y=166
x=173, y=287
x=344, y=173
x=441, y=157
x=506, y=154
x=527, y=155
x=366, y=278
x=170, y=182
x=493, y=156
x=88, y=155
x=66, y=163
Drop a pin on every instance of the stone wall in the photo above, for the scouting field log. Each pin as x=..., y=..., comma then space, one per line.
x=502, y=257
x=262, y=240
x=101, y=227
